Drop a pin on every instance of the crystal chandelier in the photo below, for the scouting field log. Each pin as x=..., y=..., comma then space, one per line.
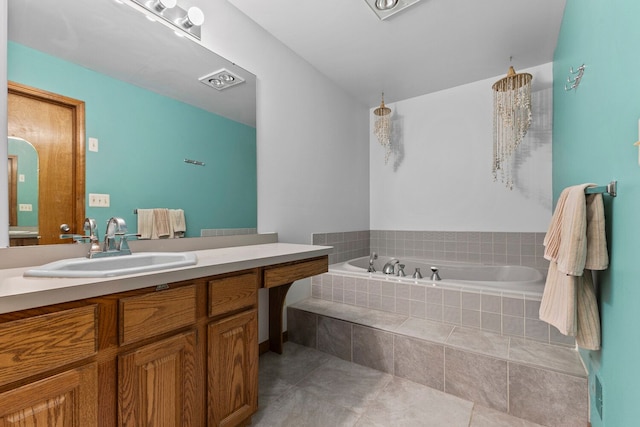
x=382, y=128
x=511, y=120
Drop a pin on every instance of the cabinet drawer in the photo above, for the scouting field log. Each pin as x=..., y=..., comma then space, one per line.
x=38, y=344
x=288, y=273
x=233, y=293
x=151, y=314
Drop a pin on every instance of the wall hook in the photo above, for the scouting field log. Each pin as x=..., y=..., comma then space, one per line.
x=573, y=81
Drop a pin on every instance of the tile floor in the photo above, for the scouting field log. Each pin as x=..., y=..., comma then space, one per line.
x=304, y=387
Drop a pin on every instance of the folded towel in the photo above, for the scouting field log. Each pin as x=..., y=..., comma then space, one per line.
x=178, y=223
x=161, y=223
x=575, y=244
x=558, y=305
x=145, y=223
x=597, y=256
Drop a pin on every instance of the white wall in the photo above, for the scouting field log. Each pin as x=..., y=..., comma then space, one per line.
x=439, y=174
x=313, y=143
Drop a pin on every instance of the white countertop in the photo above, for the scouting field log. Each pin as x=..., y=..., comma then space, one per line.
x=19, y=293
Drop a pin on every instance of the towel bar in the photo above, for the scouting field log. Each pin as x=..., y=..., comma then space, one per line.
x=610, y=188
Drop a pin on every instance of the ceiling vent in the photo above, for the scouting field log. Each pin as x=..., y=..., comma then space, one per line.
x=221, y=79
x=386, y=8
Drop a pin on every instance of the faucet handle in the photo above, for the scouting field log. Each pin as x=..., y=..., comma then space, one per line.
x=124, y=243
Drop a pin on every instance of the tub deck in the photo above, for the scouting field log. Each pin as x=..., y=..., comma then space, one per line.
x=543, y=383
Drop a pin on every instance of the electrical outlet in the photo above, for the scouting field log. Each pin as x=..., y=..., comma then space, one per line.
x=25, y=207
x=21, y=177
x=99, y=200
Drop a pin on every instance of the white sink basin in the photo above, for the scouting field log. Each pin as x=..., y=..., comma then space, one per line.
x=139, y=262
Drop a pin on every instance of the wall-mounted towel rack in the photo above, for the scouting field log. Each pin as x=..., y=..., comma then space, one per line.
x=611, y=189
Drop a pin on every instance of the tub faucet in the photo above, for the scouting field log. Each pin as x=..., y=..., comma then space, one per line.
x=373, y=257
x=389, y=267
x=434, y=274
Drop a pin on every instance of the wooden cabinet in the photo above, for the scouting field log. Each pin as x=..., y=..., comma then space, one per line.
x=39, y=347
x=66, y=399
x=156, y=383
x=232, y=344
x=174, y=355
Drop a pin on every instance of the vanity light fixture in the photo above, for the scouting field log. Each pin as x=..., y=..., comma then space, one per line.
x=189, y=21
x=386, y=8
x=221, y=79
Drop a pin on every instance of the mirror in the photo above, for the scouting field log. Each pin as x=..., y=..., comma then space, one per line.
x=146, y=111
x=23, y=191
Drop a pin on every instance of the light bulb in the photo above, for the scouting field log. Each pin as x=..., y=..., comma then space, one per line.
x=194, y=17
x=386, y=4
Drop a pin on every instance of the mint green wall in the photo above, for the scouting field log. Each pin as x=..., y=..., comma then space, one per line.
x=143, y=141
x=593, y=134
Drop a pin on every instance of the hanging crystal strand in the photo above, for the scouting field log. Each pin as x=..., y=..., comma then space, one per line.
x=512, y=118
x=382, y=128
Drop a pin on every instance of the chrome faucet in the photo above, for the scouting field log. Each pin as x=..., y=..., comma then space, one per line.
x=91, y=226
x=373, y=257
x=116, y=227
x=434, y=274
x=389, y=267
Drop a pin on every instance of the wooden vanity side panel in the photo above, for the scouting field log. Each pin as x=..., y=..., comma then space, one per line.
x=288, y=273
x=152, y=314
x=233, y=293
x=42, y=343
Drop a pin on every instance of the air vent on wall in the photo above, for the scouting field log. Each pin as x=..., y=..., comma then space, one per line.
x=221, y=79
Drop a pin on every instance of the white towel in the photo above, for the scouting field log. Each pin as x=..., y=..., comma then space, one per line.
x=145, y=223
x=161, y=223
x=178, y=223
x=575, y=244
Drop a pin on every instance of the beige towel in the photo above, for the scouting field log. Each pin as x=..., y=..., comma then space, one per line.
x=575, y=244
x=145, y=223
x=178, y=223
x=161, y=223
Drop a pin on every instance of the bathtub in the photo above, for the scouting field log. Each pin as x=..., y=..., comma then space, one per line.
x=501, y=278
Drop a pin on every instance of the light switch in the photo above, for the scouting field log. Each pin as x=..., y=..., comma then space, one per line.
x=93, y=144
x=21, y=177
x=25, y=207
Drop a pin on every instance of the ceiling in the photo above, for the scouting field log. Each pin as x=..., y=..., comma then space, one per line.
x=430, y=46
x=116, y=40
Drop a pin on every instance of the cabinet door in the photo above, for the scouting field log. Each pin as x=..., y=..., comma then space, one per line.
x=157, y=384
x=233, y=369
x=69, y=399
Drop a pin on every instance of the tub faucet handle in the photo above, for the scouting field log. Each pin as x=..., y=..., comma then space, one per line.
x=401, y=270
x=417, y=274
x=434, y=274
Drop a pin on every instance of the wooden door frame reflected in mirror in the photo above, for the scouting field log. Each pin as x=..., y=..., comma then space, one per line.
x=13, y=189
x=47, y=187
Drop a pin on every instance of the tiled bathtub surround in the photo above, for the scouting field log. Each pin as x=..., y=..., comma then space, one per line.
x=538, y=382
x=505, y=313
x=498, y=248
x=346, y=246
x=210, y=232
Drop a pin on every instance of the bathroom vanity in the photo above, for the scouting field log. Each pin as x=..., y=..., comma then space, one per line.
x=172, y=348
